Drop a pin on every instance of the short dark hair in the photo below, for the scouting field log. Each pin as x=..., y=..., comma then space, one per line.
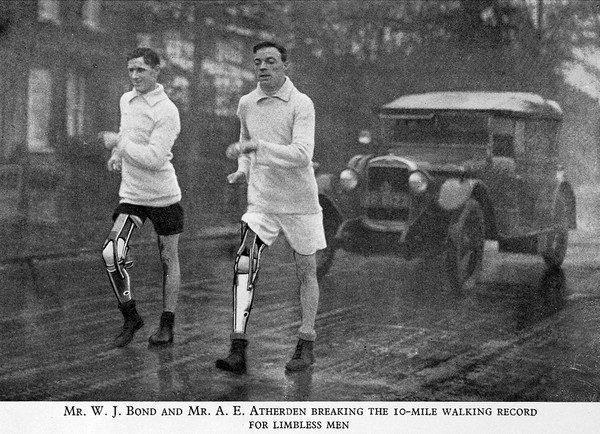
x=265, y=44
x=150, y=57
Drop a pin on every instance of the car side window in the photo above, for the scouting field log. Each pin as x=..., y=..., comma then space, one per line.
x=541, y=139
x=503, y=145
x=503, y=137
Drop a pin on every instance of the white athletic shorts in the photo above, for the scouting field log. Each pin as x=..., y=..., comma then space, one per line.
x=304, y=232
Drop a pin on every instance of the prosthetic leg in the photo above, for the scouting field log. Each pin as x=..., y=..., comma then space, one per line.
x=114, y=253
x=247, y=263
x=245, y=274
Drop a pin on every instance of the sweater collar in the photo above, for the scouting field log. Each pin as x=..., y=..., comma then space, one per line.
x=284, y=93
x=152, y=97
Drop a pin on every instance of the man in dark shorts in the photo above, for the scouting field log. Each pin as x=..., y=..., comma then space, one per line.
x=149, y=189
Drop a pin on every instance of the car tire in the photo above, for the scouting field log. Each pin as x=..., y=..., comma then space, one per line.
x=553, y=245
x=465, y=246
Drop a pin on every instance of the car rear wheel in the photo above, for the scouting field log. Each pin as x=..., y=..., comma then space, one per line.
x=553, y=245
x=464, y=247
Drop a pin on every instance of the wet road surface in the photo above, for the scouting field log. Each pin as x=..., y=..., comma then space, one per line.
x=388, y=330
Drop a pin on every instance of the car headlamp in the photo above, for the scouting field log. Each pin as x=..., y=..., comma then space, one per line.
x=348, y=179
x=418, y=182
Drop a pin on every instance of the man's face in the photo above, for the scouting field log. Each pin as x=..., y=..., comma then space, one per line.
x=143, y=77
x=269, y=69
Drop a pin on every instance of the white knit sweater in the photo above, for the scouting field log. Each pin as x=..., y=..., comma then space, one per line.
x=149, y=126
x=280, y=175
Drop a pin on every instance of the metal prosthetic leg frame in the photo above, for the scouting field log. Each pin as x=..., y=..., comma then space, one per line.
x=114, y=253
x=246, y=272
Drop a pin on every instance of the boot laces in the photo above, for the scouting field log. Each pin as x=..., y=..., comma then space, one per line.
x=129, y=324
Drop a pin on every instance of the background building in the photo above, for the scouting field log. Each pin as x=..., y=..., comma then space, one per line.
x=64, y=71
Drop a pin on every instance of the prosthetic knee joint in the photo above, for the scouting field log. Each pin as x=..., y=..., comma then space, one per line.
x=114, y=253
x=247, y=263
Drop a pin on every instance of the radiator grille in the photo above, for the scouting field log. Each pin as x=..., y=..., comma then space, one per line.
x=387, y=195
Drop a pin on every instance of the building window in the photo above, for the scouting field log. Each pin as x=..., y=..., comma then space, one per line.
x=39, y=110
x=91, y=14
x=49, y=10
x=75, y=105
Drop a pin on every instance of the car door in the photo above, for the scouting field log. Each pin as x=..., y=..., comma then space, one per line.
x=503, y=178
x=537, y=166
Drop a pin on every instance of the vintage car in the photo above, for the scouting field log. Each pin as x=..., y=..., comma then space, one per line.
x=450, y=170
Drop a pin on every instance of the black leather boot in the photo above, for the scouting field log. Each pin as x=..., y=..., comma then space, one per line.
x=236, y=360
x=164, y=334
x=303, y=357
x=133, y=322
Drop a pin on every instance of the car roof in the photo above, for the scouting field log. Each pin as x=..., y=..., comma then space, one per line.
x=518, y=103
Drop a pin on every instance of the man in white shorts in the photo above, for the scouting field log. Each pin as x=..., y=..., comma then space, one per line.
x=274, y=156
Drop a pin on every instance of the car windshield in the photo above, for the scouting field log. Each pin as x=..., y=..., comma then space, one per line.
x=439, y=129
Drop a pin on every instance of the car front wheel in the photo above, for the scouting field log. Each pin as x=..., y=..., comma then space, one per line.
x=464, y=247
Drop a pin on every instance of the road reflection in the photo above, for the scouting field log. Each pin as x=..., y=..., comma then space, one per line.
x=541, y=301
x=299, y=386
x=165, y=369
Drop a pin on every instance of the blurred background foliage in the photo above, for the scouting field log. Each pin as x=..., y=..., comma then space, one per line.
x=352, y=56
x=64, y=71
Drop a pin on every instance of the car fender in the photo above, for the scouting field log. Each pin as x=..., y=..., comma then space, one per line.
x=345, y=204
x=329, y=200
x=566, y=189
x=546, y=202
x=326, y=184
x=454, y=193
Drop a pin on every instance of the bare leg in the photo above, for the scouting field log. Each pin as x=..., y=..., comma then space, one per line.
x=306, y=270
x=169, y=255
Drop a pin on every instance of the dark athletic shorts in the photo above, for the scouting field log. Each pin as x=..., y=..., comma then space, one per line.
x=167, y=220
